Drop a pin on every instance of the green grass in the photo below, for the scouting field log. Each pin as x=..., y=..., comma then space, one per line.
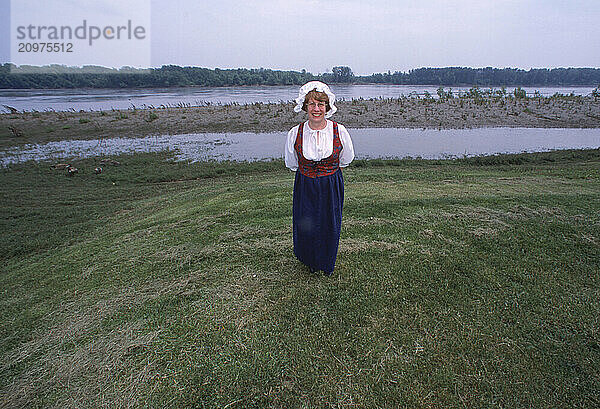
x=470, y=283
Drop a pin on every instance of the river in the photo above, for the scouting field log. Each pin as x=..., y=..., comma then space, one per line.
x=106, y=99
x=368, y=144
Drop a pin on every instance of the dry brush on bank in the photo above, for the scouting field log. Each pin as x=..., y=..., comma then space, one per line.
x=473, y=111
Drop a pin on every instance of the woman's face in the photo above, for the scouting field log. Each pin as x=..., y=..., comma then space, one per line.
x=316, y=110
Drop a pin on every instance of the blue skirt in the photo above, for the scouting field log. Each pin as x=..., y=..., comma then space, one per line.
x=317, y=219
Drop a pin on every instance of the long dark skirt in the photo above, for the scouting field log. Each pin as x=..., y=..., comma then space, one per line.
x=317, y=219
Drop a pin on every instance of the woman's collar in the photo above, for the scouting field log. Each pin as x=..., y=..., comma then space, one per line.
x=328, y=125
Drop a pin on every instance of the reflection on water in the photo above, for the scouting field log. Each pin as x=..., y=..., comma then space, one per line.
x=368, y=144
x=453, y=143
x=106, y=99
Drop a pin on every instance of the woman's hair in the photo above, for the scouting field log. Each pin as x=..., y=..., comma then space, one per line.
x=317, y=96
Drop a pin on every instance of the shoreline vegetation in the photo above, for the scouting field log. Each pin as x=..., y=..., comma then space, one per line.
x=462, y=283
x=470, y=110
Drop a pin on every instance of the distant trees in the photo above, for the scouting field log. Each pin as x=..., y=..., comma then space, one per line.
x=342, y=74
x=339, y=74
x=489, y=77
x=166, y=76
x=176, y=76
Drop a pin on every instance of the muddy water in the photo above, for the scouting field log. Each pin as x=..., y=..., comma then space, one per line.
x=368, y=144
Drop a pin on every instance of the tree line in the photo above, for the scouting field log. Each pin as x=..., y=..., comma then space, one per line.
x=165, y=76
x=490, y=77
x=57, y=76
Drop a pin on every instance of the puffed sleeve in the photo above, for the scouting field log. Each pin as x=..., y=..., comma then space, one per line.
x=291, y=158
x=347, y=154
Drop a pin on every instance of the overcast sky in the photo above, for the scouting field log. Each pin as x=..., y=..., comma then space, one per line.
x=369, y=35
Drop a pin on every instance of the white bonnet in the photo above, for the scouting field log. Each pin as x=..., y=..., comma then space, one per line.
x=321, y=87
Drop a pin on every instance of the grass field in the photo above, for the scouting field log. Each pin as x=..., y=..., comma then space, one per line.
x=472, y=283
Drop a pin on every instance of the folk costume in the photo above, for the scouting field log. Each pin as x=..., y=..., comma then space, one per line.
x=317, y=157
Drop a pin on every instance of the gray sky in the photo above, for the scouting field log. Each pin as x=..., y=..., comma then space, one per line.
x=372, y=35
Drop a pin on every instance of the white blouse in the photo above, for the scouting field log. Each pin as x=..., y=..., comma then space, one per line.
x=318, y=144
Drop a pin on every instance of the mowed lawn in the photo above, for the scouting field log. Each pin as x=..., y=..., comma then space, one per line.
x=470, y=284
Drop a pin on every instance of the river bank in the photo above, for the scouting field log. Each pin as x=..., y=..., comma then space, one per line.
x=19, y=128
x=168, y=284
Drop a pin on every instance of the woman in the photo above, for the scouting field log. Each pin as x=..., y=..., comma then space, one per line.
x=317, y=150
